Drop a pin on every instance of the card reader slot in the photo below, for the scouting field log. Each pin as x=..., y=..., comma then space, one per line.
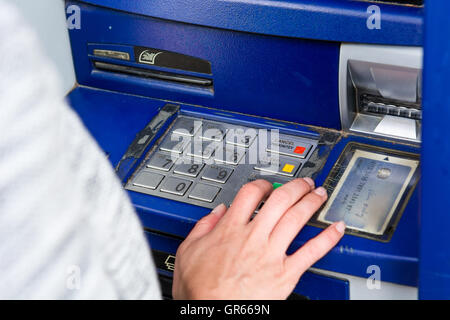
x=153, y=74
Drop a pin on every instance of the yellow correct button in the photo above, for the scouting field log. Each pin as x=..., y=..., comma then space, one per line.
x=288, y=168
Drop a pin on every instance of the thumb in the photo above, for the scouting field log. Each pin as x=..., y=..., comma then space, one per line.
x=207, y=223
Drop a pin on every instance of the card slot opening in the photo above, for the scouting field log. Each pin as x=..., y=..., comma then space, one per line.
x=154, y=74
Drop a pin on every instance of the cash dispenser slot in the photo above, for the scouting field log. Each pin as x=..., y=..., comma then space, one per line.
x=388, y=100
x=382, y=98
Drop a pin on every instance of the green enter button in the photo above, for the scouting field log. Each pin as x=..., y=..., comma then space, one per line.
x=276, y=185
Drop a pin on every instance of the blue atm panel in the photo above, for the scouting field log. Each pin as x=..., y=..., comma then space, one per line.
x=314, y=73
x=245, y=64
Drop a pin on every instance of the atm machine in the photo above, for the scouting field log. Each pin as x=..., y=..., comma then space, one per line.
x=181, y=96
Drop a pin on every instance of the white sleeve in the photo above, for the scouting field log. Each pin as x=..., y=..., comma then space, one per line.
x=67, y=228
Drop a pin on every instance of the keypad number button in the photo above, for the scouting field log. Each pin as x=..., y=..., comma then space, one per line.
x=241, y=137
x=191, y=170
x=213, y=131
x=187, y=126
x=231, y=155
x=160, y=161
x=176, y=186
x=217, y=174
x=201, y=149
x=174, y=143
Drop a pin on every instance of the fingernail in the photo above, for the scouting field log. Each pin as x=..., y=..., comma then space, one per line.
x=340, y=227
x=320, y=191
x=309, y=181
x=218, y=209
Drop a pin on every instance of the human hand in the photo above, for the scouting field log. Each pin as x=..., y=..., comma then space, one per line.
x=227, y=256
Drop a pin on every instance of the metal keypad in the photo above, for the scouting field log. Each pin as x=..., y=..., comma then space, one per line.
x=176, y=186
x=204, y=192
x=209, y=161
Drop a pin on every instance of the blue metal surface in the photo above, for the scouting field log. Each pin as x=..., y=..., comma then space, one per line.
x=316, y=286
x=435, y=217
x=299, y=78
x=397, y=259
x=332, y=20
x=111, y=120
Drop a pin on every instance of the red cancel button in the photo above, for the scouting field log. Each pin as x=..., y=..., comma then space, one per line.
x=299, y=150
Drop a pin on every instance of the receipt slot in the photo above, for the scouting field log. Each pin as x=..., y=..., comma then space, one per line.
x=190, y=104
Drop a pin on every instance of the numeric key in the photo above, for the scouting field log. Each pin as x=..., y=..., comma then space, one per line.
x=231, y=155
x=161, y=161
x=190, y=170
x=187, y=126
x=242, y=137
x=213, y=131
x=175, y=143
x=217, y=173
x=176, y=186
x=201, y=149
